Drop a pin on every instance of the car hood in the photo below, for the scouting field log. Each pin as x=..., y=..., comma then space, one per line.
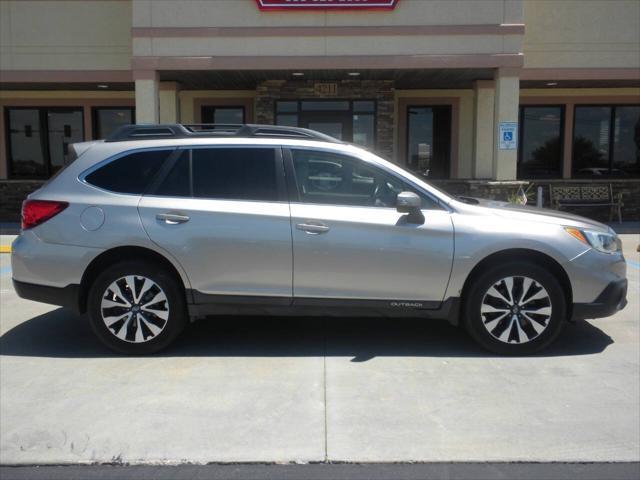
x=529, y=213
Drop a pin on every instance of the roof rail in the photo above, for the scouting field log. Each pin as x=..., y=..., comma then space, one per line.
x=214, y=130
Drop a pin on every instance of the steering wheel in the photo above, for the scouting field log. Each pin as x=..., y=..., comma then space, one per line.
x=382, y=195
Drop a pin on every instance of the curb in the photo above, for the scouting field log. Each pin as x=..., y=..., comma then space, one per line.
x=5, y=248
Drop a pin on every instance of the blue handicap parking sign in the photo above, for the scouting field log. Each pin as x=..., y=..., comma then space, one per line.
x=508, y=135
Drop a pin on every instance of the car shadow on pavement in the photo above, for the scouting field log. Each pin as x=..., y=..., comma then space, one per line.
x=63, y=334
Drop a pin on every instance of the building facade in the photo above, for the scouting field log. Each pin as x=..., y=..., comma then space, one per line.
x=479, y=93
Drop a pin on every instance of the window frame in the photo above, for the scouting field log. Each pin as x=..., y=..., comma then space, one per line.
x=294, y=192
x=95, y=121
x=610, y=139
x=521, y=130
x=43, y=124
x=281, y=188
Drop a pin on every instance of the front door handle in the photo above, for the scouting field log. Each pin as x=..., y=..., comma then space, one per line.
x=313, y=228
x=172, y=218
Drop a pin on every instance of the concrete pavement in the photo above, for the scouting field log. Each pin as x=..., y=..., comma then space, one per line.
x=323, y=471
x=300, y=390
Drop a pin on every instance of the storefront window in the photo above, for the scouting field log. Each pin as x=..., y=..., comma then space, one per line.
x=39, y=139
x=540, y=153
x=27, y=157
x=626, y=141
x=606, y=141
x=107, y=119
x=429, y=140
x=352, y=121
x=65, y=128
x=228, y=115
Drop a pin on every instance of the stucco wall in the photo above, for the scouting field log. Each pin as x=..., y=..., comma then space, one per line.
x=582, y=34
x=244, y=13
x=197, y=14
x=65, y=35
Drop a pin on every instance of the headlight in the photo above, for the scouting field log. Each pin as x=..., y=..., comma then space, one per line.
x=605, y=242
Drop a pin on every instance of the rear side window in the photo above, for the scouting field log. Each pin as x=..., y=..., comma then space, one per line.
x=129, y=174
x=177, y=183
x=223, y=173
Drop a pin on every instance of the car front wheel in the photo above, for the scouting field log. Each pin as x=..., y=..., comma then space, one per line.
x=136, y=308
x=515, y=309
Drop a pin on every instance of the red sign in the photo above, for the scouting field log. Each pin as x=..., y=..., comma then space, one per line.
x=327, y=4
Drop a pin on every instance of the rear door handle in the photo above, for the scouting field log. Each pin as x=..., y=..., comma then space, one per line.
x=313, y=228
x=172, y=218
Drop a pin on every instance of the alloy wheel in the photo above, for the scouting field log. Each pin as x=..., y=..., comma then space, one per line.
x=516, y=310
x=135, y=309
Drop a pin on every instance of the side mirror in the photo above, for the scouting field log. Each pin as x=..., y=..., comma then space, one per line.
x=409, y=202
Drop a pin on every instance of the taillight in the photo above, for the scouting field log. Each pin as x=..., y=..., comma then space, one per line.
x=35, y=212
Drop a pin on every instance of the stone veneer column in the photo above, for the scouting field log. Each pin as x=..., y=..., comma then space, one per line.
x=147, y=96
x=506, y=102
x=382, y=91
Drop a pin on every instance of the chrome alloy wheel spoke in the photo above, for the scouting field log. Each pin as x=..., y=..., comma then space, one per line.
x=135, y=309
x=516, y=310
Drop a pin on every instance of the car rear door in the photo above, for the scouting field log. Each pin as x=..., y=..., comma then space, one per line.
x=222, y=212
x=350, y=243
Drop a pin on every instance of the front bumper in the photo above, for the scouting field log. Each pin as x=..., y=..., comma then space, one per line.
x=612, y=299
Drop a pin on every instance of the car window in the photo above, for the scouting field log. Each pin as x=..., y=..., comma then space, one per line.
x=334, y=179
x=130, y=173
x=235, y=173
x=223, y=173
x=177, y=183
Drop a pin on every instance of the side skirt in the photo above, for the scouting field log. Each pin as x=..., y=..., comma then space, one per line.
x=217, y=305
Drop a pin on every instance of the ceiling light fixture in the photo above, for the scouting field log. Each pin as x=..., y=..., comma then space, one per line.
x=552, y=84
x=354, y=74
x=298, y=74
x=102, y=85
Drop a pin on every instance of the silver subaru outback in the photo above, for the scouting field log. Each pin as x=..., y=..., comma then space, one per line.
x=159, y=224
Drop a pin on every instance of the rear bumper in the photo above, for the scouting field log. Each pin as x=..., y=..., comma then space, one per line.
x=612, y=299
x=68, y=297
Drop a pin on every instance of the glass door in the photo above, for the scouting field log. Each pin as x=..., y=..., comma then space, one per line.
x=429, y=140
x=333, y=124
x=348, y=120
x=64, y=128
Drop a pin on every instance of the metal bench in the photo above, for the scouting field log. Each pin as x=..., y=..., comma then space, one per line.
x=587, y=195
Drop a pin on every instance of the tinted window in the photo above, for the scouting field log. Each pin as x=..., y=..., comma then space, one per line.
x=129, y=174
x=606, y=141
x=108, y=119
x=235, y=173
x=26, y=155
x=626, y=141
x=40, y=139
x=591, y=141
x=540, y=153
x=333, y=179
x=233, y=115
x=177, y=183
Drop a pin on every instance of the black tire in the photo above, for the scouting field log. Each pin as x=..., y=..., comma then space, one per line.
x=475, y=323
x=175, y=302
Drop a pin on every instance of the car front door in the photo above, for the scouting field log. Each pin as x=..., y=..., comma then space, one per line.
x=350, y=242
x=222, y=212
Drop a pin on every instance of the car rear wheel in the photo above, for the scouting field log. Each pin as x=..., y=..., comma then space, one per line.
x=136, y=308
x=515, y=309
